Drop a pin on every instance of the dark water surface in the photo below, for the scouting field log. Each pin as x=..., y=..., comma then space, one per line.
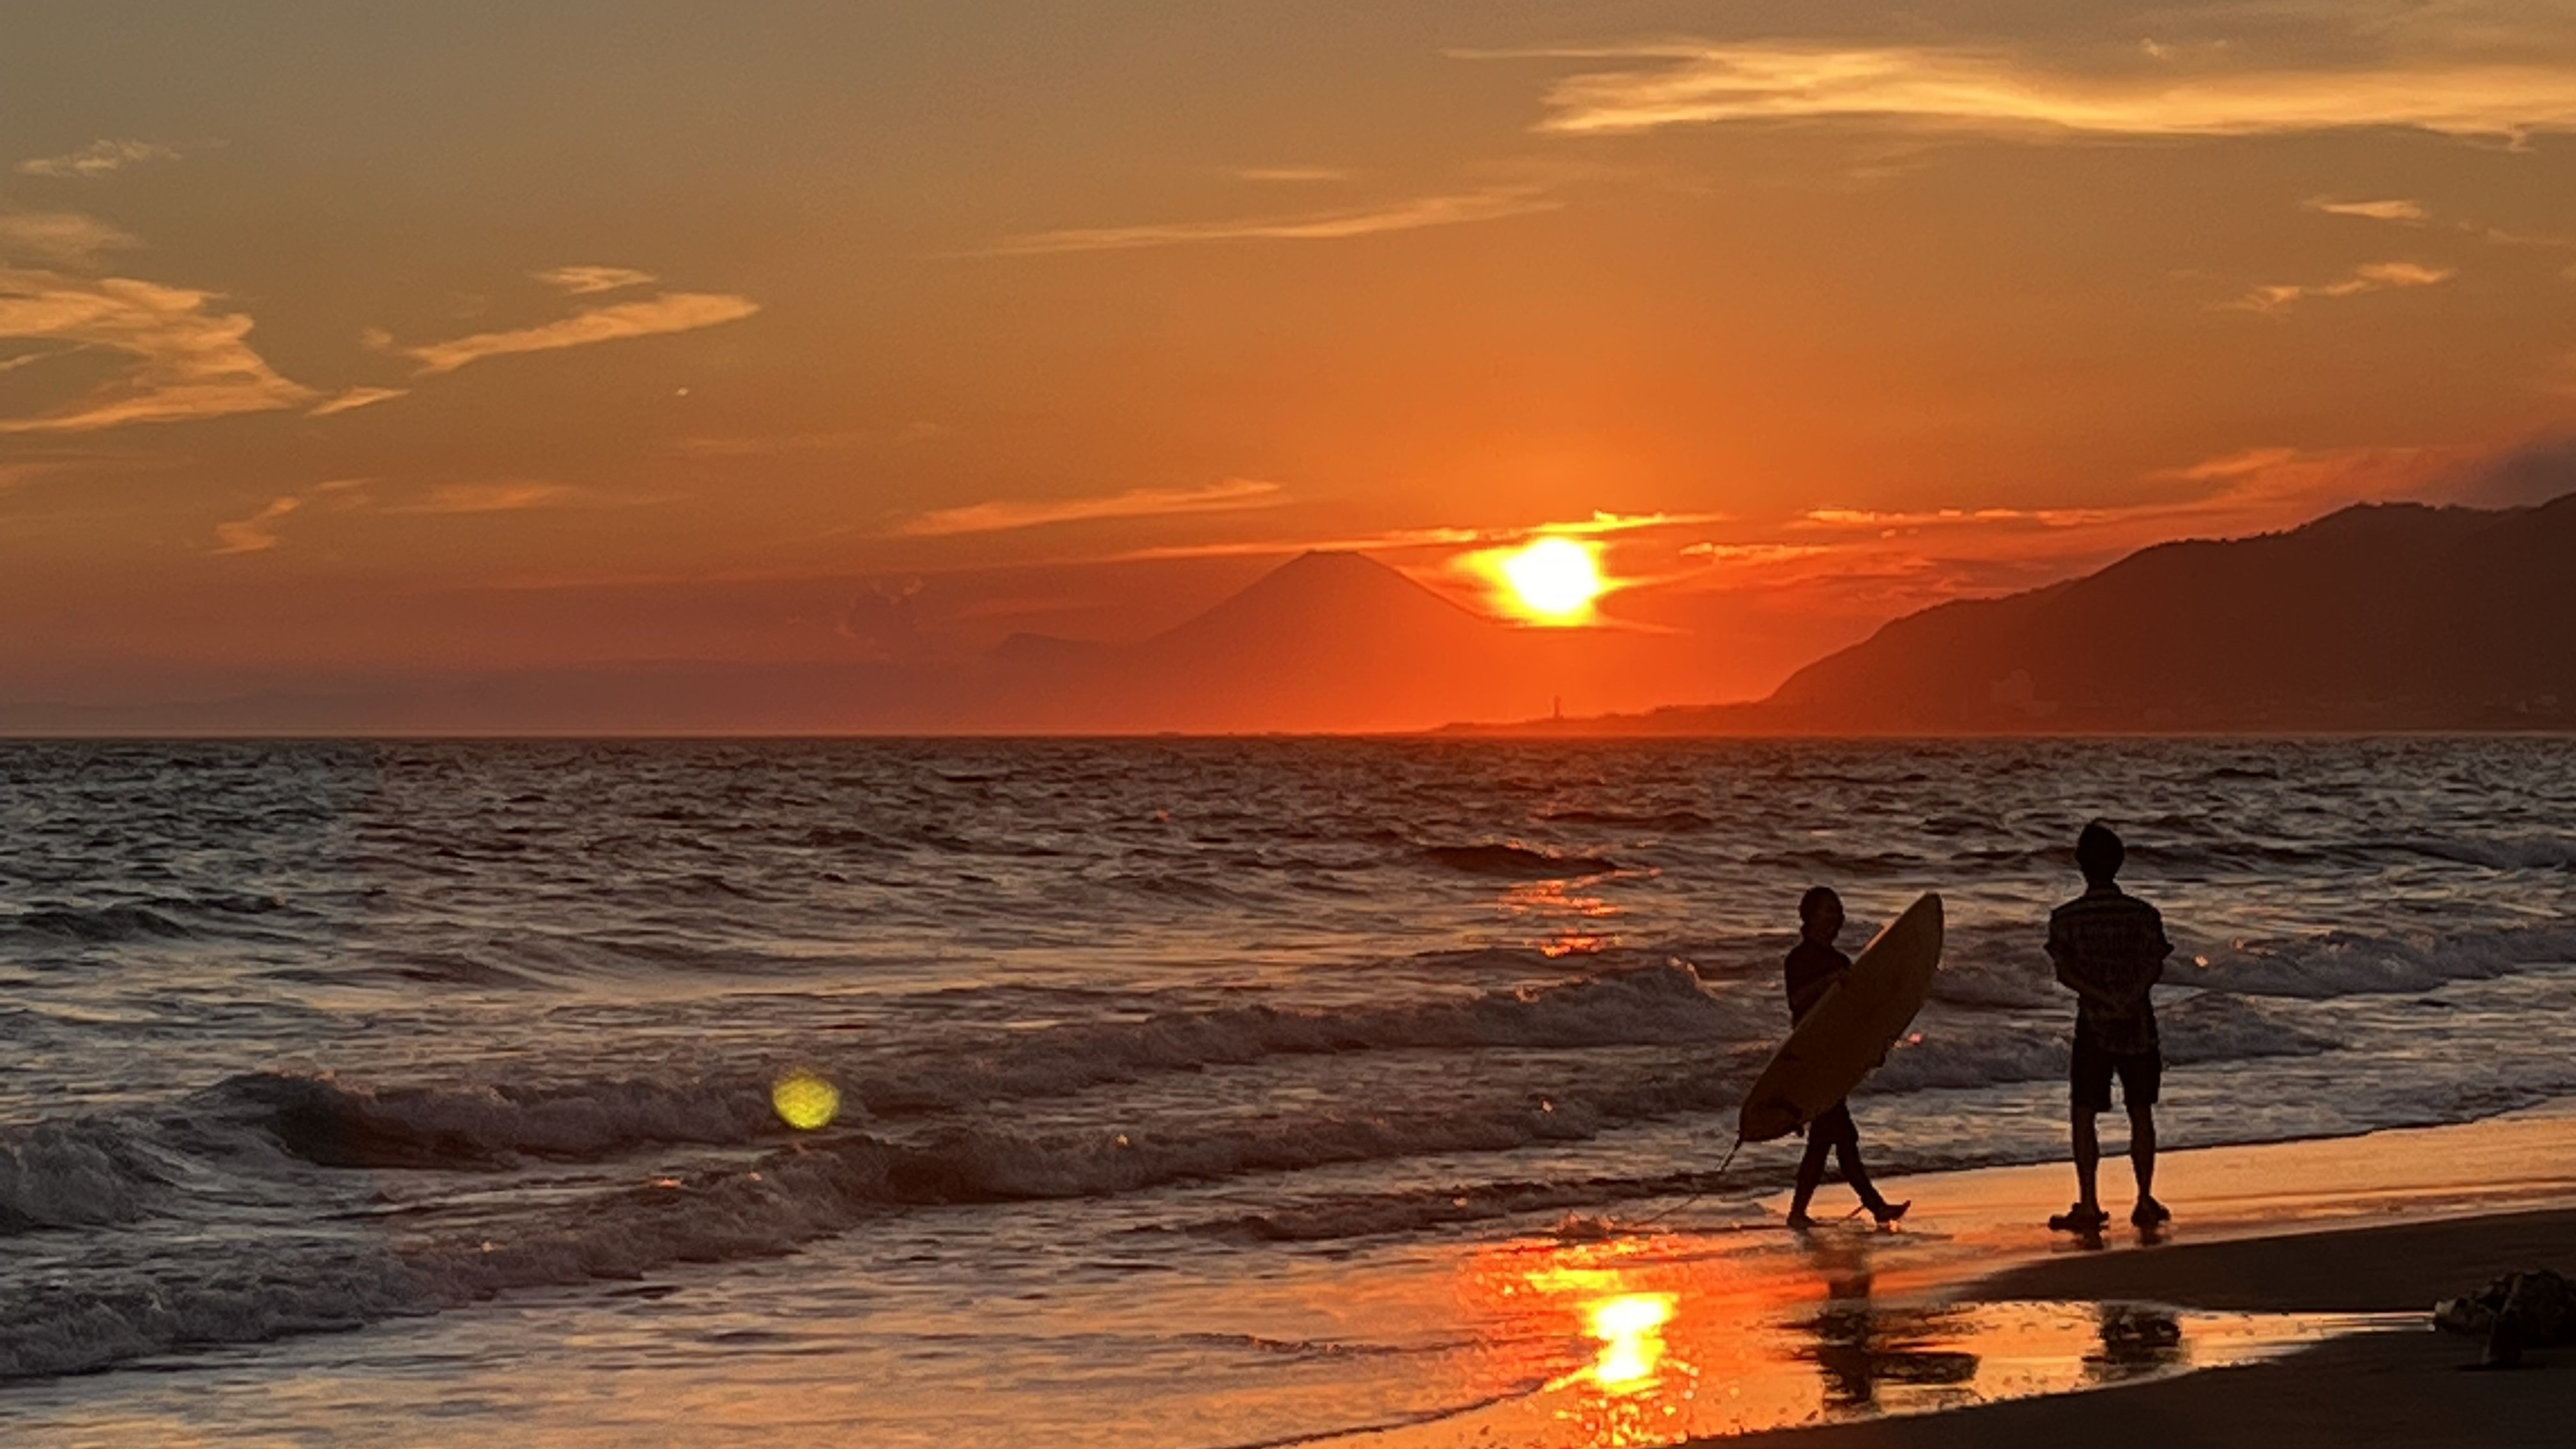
x=304, y=1036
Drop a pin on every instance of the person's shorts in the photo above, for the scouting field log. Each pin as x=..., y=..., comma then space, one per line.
x=2141, y=1074
x=1834, y=1124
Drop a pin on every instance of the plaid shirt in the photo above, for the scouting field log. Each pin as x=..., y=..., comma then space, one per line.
x=2110, y=949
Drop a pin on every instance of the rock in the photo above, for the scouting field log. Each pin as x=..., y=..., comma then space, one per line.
x=2516, y=1311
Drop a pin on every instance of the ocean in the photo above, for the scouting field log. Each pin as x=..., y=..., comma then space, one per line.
x=428, y=1085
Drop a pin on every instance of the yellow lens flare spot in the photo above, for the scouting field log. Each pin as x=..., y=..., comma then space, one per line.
x=805, y=1101
x=1553, y=579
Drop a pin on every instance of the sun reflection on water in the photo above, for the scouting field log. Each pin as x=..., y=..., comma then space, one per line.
x=1630, y=1328
x=1657, y=1339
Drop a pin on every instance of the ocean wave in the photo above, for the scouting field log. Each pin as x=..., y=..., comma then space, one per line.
x=337, y=1123
x=1660, y=1004
x=2529, y=852
x=84, y=1173
x=99, y=925
x=153, y=918
x=2349, y=963
x=331, y=1123
x=2206, y=1028
x=1671, y=822
x=1516, y=860
x=820, y=1187
x=99, y=1320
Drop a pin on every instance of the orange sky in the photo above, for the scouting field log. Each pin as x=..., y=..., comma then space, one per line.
x=340, y=345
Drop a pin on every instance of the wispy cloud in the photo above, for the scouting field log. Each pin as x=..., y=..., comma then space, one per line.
x=349, y=399
x=2371, y=210
x=582, y=281
x=260, y=532
x=62, y=238
x=1891, y=560
x=1445, y=538
x=188, y=360
x=1394, y=540
x=1700, y=83
x=1408, y=215
x=2370, y=277
x=1135, y=503
x=772, y=444
x=505, y=496
x=98, y=158
x=1871, y=518
x=646, y=317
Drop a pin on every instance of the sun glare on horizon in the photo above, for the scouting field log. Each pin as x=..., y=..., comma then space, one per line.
x=1554, y=580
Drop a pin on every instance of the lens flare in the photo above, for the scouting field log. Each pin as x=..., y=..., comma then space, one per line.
x=1554, y=578
x=805, y=1101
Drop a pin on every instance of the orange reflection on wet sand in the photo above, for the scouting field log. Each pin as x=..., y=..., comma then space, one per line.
x=1662, y=1338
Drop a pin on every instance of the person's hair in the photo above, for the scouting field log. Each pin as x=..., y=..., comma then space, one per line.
x=2098, y=853
x=1814, y=902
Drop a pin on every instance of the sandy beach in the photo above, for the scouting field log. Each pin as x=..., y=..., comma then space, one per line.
x=2396, y=1387
x=2409, y=1231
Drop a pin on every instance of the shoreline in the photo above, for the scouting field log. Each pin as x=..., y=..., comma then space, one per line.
x=2382, y=1224
x=2396, y=1386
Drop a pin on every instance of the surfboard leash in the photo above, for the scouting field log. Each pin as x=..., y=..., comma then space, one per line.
x=1703, y=1192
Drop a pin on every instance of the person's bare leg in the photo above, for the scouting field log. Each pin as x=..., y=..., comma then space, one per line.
x=2142, y=1158
x=1811, y=1171
x=2142, y=1148
x=2088, y=1160
x=1848, y=1153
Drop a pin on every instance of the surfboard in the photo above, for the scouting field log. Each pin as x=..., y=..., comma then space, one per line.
x=1848, y=1033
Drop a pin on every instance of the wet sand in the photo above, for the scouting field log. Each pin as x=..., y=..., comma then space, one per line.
x=2406, y=1232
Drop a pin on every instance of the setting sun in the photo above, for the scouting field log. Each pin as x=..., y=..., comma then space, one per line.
x=1554, y=578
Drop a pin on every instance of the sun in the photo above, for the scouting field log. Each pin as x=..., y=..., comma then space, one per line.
x=1553, y=578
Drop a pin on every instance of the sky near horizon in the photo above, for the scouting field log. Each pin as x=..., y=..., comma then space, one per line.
x=376, y=342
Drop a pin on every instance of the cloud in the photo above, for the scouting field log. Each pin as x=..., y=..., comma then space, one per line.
x=98, y=158
x=356, y=397
x=648, y=317
x=506, y=496
x=1870, y=518
x=1702, y=83
x=64, y=238
x=2370, y=277
x=581, y=281
x=769, y=445
x=1440, y=537
x=259, y=532
x=189, y=361
x=1426, y=211
x=2373, y=210
x=1135, y=503
x=1605, y=523
x=1394, y=539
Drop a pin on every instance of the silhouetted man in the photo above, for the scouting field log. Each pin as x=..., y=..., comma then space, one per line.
x=2110, y=949
x=1811, y=971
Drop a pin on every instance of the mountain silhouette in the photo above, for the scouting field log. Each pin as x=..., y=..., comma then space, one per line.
x=1326, y=641
x=2376, y=617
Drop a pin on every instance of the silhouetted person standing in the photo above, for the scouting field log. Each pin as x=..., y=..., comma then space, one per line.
x=1811, y=971
x=2110, y=949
